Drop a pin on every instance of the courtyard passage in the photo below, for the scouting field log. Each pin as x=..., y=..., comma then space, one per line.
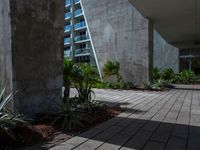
x=167, y=120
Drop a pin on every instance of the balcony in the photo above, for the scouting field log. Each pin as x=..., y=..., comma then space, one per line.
x=67, y=41
x=82, y=52
x=76, y=1
x=81, y=38
x=78, y=12
x=67, y=28
x=67, y=3
x=67, y=53
x=67, y=15
x=79, y=25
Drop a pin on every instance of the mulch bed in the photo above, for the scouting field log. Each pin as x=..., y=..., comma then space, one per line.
x=44, y=131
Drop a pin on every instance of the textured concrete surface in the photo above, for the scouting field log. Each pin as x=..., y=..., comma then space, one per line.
x=5, y=46
x=37, y=52
x=164, y=54
x=152, y=121
x=120, y=33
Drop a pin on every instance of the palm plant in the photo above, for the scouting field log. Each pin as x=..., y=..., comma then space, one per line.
x=111, y=68
x=68, y=67
x=72, y=115
x=8, y=120
x=84, y=77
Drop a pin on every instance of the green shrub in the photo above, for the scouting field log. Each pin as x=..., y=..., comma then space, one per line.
x=70, y=117
x=197, y=79
x=162, y=84
x=185, y=77
x=114, y=85
x=157, y=85
x=118, y=85
x=167, y=74
x=101, y=85
x=8, y=120
x=156, y=73
x=148, y=85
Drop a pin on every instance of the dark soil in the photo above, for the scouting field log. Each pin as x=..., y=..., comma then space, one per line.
x=44, y=131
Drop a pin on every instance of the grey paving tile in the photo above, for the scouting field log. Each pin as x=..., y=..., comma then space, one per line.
x=76, y=140
x=63, y=147
x=151, y=126
x=180, y=131
x=126, y=148
x=194, y=142
x=138, y=141
x=89, y=145
x=132, y=129
x=108, y=146
x=91, y=133
x=162, y=133
x=177, y=143
x=119, y=139
x=152, y=145
x=125, y=122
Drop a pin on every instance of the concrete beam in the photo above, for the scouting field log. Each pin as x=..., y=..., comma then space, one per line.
x=177, y=21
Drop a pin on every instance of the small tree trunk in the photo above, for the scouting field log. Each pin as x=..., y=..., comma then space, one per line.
x=67, y=91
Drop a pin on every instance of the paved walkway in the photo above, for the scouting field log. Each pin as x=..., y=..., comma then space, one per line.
x=152, y=121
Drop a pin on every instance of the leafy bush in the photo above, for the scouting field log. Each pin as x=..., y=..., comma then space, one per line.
x=101, y=85
x=157, y=85
x=167, y=74
x=185, y=77
x=91, y=106
x=197, y=79
x=8, y=120
x=113, y=85
x=156, y=73
x=162, y=83
x=148, y=85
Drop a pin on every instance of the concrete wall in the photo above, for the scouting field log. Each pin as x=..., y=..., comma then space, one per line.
x=37, y=53
x=120, y=33
x=165, y=55
x=5, y=46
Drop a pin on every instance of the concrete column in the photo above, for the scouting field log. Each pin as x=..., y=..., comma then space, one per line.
x=5, y=46
x=119, y=32
x=31, y=55
x=150, y=49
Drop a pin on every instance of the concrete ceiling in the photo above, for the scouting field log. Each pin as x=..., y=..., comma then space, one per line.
x=177, y=21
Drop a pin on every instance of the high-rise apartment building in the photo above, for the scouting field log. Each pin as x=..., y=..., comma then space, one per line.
x=77, y=42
